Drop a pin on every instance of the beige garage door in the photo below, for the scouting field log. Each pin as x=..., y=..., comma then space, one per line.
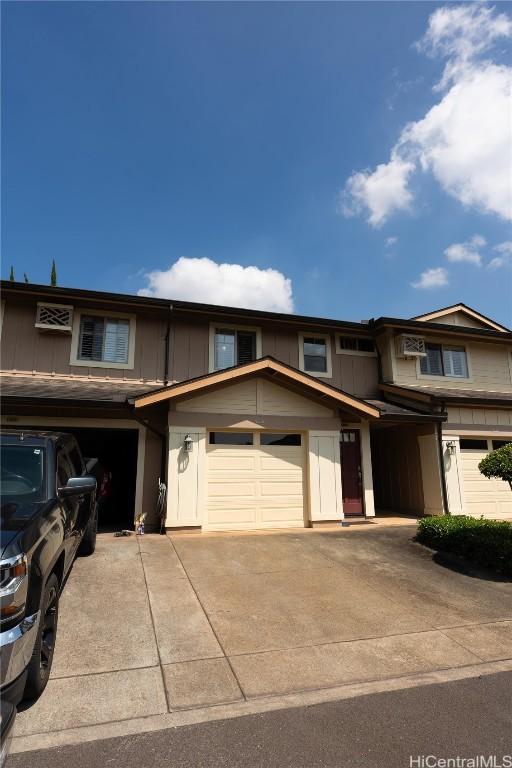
x=490, y=498
x=254, y=480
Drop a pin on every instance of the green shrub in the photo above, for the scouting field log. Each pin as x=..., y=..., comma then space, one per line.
x=487, y=543
x=498, y=464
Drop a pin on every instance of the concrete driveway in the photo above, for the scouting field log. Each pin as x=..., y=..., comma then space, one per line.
x=161, y=631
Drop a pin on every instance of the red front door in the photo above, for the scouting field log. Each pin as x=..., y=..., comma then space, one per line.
x=351, y=474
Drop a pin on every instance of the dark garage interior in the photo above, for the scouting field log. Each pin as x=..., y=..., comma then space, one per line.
x=116, y=451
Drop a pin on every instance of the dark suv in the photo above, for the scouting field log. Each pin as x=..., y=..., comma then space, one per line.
x=49, y=514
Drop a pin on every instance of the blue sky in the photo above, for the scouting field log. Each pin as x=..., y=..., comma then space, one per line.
x=265, y=135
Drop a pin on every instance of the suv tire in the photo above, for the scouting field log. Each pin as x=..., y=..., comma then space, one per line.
x=40, y=664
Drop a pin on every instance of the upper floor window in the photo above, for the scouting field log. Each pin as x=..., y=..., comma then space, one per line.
x=351, y=344
x=443, y=360
x=103, y=340
x=233, y=346
x=315, y=355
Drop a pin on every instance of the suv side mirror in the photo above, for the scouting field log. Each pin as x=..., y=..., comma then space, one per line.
x=77, y=486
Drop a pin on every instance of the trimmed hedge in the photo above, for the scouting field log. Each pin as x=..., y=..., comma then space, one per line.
x=487, y=543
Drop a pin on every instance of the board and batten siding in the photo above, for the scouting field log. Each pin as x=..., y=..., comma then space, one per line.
x=26, y=348
x=188, y=353
x=356, y=374
x=478, y=418
x=325, y=491
x=460, y=319
x=255, y=396
x=490, y=369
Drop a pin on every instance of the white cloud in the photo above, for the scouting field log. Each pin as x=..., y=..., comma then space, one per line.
x=461, y=33
x=505, y=257
x=467, y=251
x=436, y=277
x=391, y=241
x=465, y=140
x=382, y=191
x=232, y=285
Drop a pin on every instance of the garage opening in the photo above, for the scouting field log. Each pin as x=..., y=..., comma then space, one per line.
x=116, y=451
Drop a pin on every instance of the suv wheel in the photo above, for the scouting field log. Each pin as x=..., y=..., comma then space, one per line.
x=38, y=670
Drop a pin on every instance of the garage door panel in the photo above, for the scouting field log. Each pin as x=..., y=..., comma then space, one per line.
x=231, y=462
x=254, y=486
x=282, y=461
x=284, y=489
x=281, y=515
x=477, y=508
x=483, y=496
x=231, y=489
x=240, y=515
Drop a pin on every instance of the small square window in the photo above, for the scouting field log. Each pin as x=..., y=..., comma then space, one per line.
x=500, y=443
x=471, y=444
x=365, y=345
x=267, y=438
x=231, y=438
x=356, y=344
x=348, y=342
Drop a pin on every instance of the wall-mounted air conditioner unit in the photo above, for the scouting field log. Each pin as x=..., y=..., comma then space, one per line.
x=54, y=317
x=410, y=346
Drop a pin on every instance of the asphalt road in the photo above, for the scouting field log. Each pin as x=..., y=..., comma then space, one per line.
x=465, y=718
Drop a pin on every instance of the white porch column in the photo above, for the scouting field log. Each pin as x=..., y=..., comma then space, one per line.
x=452, y=473
x=185, y=492
x=366, y=466
x=325, y=497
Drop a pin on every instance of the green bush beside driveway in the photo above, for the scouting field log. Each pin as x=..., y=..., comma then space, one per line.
x=487, y=543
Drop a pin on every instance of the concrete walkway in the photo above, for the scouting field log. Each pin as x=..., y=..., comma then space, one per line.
x=162, y=631
x=465, y=718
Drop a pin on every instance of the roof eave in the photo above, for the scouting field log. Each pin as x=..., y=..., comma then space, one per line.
x=193, y=387
x=418, y=327
x=150, y=302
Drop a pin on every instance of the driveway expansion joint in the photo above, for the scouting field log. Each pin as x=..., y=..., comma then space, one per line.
x=208, y=620
x=162, y=676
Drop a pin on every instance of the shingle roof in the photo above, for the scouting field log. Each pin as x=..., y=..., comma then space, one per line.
x=37, y=387
x=391, y=410
x=447, y=394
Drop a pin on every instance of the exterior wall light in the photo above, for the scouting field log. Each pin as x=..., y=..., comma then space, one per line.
x=188, y=443
x=450, y=447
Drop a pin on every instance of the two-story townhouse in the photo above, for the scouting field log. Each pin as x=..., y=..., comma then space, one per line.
x=255, y=419
x=458, y=361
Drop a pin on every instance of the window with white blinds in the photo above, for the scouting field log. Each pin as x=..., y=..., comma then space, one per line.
x=455, y=362
x=444, y=361
x=104, y=339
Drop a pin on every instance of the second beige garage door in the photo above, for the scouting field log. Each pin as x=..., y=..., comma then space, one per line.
x=254, y=480
x=487, y=497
